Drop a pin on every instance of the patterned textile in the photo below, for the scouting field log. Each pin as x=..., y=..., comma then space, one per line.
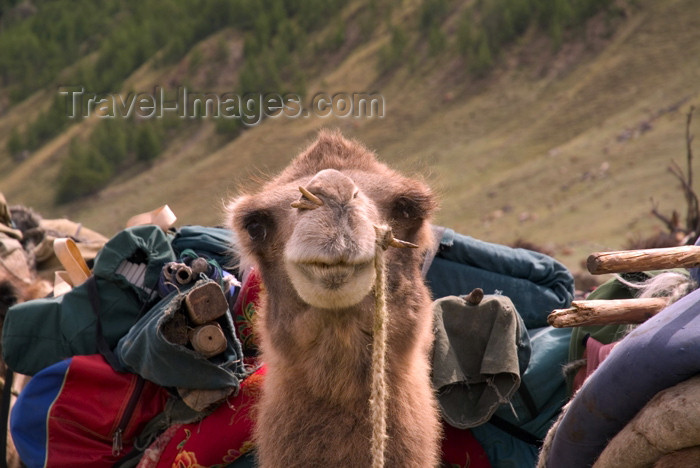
x=243, y=312
x=216, y=441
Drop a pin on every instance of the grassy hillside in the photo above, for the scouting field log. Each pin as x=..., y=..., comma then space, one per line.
x=561, y=137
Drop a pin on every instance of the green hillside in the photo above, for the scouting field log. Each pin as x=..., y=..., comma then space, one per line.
x=544, y=120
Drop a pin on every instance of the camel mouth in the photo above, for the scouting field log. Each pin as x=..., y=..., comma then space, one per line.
x=332, y=275
x=331, y=285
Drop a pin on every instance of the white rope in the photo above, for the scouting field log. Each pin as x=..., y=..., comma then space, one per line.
x=378, y=395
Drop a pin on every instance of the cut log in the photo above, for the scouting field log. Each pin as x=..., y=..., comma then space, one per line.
x=200, y=400
x=603, y=312
x=199, y=265
x=175, y=329
x=208, y=340
x=624, y=261
x=183, y=275
x=169, y=270
x=205, y=303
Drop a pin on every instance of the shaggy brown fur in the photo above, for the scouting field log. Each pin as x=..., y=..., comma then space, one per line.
x=315, y=325
x=683, y=458
x=12, y=292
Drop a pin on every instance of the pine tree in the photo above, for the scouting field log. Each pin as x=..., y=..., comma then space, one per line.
x=483, y=60
x=148, y=144
x=15, y=145
x=83, y=172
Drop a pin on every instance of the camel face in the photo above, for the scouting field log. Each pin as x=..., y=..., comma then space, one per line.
x=329, y=256
x=311, y=230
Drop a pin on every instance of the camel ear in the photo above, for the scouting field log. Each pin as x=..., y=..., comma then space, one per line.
x=413, y=205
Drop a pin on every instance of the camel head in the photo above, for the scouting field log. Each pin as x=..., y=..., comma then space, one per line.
x=311, y=230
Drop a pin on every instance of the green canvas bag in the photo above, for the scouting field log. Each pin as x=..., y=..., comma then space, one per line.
x=42, y=332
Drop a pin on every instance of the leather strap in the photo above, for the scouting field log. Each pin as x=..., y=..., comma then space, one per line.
x=61, y=283
x=71, y=259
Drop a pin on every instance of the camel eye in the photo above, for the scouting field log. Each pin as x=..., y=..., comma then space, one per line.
x=412, y=207
x=356, y=194
x=257, y=224
x=405, y=208
x=256, y=231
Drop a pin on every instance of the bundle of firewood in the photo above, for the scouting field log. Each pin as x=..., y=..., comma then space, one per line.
x=625, y=311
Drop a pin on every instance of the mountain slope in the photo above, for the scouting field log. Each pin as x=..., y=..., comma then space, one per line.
x=563, y=147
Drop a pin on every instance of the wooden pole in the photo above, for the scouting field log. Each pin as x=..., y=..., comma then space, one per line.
x=623, y=261
x=208, y=340
x=604, y=312
x=175, y=329
x=205, y=303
